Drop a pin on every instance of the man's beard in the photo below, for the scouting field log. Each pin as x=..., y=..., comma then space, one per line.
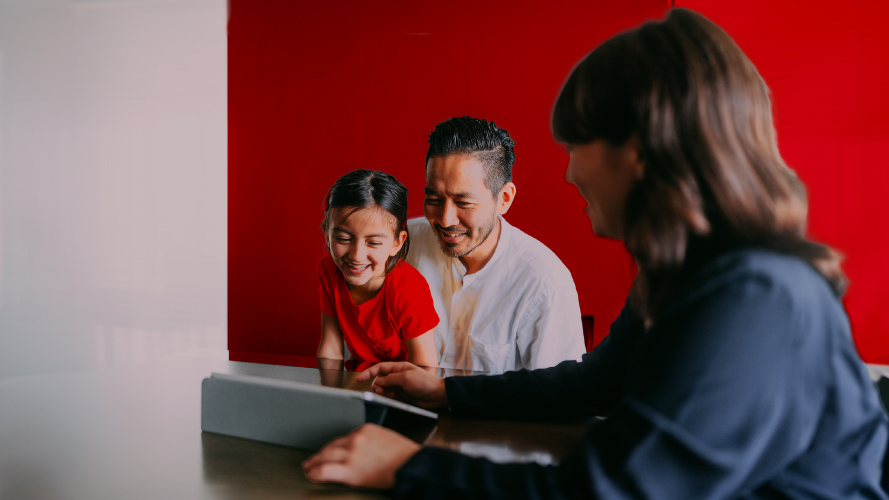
x=485, y=231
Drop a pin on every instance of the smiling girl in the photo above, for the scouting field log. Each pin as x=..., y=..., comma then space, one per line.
x=370, y=297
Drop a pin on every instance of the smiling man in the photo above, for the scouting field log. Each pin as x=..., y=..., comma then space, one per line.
x=506, y=302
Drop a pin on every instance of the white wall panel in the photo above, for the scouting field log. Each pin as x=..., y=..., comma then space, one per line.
x=112, y=181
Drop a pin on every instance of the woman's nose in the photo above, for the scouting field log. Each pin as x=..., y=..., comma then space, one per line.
x=569, y=173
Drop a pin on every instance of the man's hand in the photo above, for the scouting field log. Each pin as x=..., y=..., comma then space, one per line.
x=408, y=383
x=366, y=458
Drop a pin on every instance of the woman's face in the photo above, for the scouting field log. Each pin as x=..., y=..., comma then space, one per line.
x=604, y=176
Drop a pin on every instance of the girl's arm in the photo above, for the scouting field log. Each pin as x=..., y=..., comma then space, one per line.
x=331, y=345
x=421, y=350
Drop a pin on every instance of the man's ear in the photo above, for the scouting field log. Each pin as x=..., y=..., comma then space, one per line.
x=505, y=198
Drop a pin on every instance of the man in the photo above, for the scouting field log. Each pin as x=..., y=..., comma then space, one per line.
x=506, y=302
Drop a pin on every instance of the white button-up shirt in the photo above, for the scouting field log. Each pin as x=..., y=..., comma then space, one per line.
x=519, y=311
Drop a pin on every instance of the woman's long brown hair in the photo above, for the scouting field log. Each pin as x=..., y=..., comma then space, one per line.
x=714, y=179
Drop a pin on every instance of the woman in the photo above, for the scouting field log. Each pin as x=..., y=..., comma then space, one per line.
x=731, y=372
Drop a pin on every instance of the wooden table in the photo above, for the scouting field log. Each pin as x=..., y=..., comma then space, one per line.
x=134, y=433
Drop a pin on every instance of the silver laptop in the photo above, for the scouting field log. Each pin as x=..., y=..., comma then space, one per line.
x=290, y=413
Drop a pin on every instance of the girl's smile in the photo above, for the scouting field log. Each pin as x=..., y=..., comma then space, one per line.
x=361, y=242
x=357, y=269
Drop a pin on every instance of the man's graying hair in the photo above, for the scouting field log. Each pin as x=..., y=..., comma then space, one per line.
x=482, y=140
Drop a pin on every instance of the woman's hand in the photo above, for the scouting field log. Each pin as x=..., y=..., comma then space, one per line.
x=365, y=458
x=408, y=383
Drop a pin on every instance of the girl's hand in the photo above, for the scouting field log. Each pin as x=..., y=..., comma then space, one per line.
x=408, y=383
x=366, y=458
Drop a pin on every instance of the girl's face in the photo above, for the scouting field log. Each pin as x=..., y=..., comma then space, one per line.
x=361, y=244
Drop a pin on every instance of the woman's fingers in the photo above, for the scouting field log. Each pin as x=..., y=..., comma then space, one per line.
x=382, y=391
x=406, y=382
x=399, y=385
x=333, y=451
x=328, y=473
x=398, y=379
x=328, y=465
x=367, y=457
x=384, y=368
x=329, y=453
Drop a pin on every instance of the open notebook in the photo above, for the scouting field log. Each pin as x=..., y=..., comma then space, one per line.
x=290, y=413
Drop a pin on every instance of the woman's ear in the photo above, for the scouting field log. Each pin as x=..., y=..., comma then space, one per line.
x=634, y=157
x=640, y=169
x=399, y=242
x=505, y=198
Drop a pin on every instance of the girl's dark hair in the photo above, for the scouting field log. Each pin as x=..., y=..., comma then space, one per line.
x=368, y=189
x=714, y=179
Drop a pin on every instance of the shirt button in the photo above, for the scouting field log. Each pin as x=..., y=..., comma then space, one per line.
x=448, y=359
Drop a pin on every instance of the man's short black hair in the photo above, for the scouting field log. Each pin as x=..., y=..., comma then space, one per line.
x=482, y=140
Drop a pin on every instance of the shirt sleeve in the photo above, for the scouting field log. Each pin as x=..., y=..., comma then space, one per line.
x=550, y=331
x=712, y=414
x=325, y=289
x=414, y=309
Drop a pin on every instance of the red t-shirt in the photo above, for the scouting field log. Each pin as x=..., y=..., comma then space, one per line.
x=377, y=329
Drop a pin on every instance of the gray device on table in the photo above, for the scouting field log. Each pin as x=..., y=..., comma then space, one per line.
x=289, y=413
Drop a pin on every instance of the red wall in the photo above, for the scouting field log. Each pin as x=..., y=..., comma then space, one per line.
x=827, y=65
x=320, y=91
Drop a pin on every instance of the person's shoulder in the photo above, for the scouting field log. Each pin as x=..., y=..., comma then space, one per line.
x=419, y=224
x=537, y=257
x=772, y=273
x=326, y=266
x=403, y=272
x=405, y=282
x=424, y=242
x=420, y=230
x=772, y=267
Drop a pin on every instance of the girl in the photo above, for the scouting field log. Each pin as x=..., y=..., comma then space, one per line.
x=370, y=297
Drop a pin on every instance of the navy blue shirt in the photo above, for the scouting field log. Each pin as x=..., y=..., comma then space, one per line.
x=747, y=385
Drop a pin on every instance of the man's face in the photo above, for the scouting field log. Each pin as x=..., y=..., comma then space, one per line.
x=459, y=206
